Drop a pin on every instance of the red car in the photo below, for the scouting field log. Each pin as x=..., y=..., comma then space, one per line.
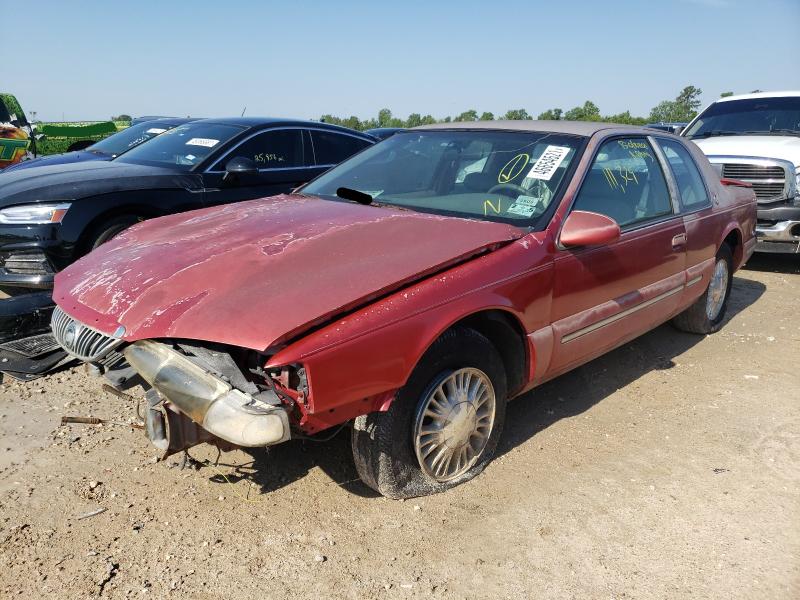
x=410, y=291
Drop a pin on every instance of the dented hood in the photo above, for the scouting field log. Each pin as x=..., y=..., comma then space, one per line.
x=256, y=273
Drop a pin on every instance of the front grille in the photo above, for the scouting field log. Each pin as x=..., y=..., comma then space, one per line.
x=27, y=263
x=79, y=340
x=33, y=346
x=768, y=181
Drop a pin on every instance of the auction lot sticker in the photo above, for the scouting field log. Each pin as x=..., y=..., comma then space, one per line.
x=524, y=206
x=205, y=142
x=548, y=162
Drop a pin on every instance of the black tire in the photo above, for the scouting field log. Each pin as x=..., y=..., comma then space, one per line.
x=382, y=442
x=110, y=229
x=695, y=319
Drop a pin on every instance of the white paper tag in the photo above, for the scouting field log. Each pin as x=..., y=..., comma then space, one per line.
x=190, y=157
x=156, y=130
x=206, y=142
x=524, y=205
x=548, y=162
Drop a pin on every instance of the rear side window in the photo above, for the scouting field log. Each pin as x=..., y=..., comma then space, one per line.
x=625, y=183
x=275, y=149
x=692, y=190
x=332, y=148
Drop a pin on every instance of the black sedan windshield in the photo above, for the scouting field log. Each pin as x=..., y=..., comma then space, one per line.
x=748, y=116
x=129, y=138
x=183, y=147
x=511, y=177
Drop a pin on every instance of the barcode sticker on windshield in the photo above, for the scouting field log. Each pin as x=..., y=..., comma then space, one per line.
x=548, y=162
x=156, y=130
x=206, y=142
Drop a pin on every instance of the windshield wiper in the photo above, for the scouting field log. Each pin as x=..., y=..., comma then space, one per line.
x=351, y=194
x=775, y=132
x=713, y=133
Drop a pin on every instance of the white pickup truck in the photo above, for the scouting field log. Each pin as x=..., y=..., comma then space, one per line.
x=756, y=138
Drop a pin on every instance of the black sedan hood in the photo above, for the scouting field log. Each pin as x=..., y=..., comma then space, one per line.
x=80, y=180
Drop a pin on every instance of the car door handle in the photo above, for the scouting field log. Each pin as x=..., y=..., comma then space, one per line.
x=679, y=241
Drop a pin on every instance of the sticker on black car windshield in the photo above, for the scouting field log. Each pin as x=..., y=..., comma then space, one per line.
x=205, y=142
x=156, y=130
x=548, y=162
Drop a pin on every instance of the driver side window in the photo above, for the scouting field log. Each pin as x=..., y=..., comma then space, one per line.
x=625, y=183
x=277, y=149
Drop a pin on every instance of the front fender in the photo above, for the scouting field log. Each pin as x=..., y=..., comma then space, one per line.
x=356, y=363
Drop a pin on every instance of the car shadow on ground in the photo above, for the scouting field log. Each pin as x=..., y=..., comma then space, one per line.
x=774, y=263
x=566, y=396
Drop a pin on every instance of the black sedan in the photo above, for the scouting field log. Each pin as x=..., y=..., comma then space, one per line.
x=108, y=148
x=52, y=215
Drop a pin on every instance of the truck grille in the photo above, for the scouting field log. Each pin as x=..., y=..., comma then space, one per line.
x=768, y=180
x=79, y=340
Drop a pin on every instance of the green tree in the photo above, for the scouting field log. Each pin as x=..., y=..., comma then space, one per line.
x=725, y=94
x=414, y=119
x=384, y=117
x=517, y=114
x=625, y=118
x=122, y=117
x=467, y=115
x=551, y=114
x=683, y=108
x=428, y=120
x=487, y=116
x=587, y=112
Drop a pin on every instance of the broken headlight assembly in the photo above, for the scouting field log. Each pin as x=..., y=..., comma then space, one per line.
x=207, y=399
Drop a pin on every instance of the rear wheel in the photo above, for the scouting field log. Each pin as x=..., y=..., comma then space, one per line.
x=708, y=312
x=444, y=425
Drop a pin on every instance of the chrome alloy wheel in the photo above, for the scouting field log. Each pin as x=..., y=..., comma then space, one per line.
x=717, y=289
x=453, y=423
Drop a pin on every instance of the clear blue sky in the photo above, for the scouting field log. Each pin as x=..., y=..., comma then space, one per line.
x=91, y=59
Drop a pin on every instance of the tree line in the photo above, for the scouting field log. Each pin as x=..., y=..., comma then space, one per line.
x=682, y=109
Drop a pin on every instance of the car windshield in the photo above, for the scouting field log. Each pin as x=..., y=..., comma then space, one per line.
x=748, y=116
x=129, y=138
x=512, y=177
x=182, y=147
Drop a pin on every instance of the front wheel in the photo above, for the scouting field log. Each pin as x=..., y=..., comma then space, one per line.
x=444, y=425
x=708, y=312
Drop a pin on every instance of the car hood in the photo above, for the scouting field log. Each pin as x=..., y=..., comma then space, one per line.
x=767, y=146
x=258, y=273
x=80, y=180
x=58, y=159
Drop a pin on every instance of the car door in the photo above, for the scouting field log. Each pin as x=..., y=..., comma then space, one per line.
x=284, y=162
x=604, y=296
x=332, y=147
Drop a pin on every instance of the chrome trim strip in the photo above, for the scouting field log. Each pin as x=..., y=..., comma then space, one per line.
x=691, y=282
x=620, y=315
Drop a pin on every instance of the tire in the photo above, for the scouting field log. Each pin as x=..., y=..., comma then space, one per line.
x=384, y=450
x=696, y=318
x=109, y=230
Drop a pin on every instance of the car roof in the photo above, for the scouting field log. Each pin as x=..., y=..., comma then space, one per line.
x=784, y=94
x=266, y=122
x=584, y=128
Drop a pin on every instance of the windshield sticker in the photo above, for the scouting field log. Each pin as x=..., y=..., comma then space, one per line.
x=487, y=205
x=525, y=205
x=190, y=157
x=548, y=162
x=156, y=130
x=205, y=142
x=513, y=168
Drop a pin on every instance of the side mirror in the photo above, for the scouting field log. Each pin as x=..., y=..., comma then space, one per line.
x=239, y=167
x=583, y=228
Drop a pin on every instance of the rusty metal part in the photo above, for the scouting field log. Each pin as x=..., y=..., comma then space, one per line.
x=95, y=421
x=112, y=390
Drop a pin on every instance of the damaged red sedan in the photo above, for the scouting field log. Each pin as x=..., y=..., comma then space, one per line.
x=411, y=291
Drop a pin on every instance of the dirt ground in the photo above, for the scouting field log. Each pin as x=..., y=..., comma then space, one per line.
x=669, y=468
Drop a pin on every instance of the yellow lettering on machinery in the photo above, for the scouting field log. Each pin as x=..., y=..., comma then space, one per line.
x=512, y=169
x=488, y=204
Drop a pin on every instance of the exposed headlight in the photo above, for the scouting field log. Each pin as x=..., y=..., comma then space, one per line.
x=33, y=214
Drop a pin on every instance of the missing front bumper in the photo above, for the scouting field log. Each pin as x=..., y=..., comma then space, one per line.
x=208, y=401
